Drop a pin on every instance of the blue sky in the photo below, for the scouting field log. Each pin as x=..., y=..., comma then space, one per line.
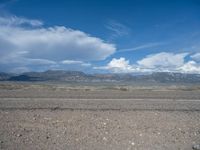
x=128, y=36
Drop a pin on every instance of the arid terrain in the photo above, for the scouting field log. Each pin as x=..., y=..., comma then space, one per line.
x=89, y=117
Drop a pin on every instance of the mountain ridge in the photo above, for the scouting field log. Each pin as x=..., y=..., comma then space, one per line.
x=78, y=76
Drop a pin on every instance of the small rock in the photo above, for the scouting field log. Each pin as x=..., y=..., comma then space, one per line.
x=104, y=138
x=1, y=142
x=19, y=135
x=54, y=108
x=132, y=143
x=196, y=147
x=47, y=137
x=45, y=118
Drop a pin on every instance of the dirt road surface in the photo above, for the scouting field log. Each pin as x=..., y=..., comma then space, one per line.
x=64, y=120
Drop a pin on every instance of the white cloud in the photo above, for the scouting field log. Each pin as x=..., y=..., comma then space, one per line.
x=74, y=62
x=117, y=29
x=71, y=62
x=196, y=57
x=145, y=46
x=47, y=46
x=56, y=43
x=120, y=65
x=161, y=62
x=163, y=59
x=190, y=67
x=16, y=21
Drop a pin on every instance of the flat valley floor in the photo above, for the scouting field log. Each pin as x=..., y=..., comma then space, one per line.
x=59, y=117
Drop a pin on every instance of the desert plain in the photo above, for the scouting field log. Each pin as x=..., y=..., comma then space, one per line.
x=58, y=116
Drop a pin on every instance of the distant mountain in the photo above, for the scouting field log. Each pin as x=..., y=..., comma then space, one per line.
x=5, y=76
x=51, y=75
x=165, y=77
x=24, y=78
x=77, y=76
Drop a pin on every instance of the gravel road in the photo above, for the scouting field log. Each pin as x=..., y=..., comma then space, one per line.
x=99, y=124
x=46, y=119
x=98, y=130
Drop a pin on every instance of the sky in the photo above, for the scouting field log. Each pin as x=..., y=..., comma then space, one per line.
x=100, y=36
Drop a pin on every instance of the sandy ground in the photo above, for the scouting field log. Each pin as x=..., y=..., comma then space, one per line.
x=35, y=117
x=98, y=130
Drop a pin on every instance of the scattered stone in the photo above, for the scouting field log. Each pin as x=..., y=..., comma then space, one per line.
x=183, y=132
x=45, y=118
x=1, y=142
x=196, y=147
x=104, y=138
x=55, y=108
x=19, y=135
x=132, y=143
x=47, y=137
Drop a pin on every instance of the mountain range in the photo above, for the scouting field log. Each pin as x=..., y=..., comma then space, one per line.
x=77, y=76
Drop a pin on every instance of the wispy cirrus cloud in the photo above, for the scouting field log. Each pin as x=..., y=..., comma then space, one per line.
x=4, y=3
x=16, y=21
x=140, y=47
x=75, y=62
x=117, y=29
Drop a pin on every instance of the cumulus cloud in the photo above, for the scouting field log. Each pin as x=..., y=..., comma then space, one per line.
x=117, y=65
x=121, y=65
x=190, y=67
x=160, y=62
x=196, y=57
x=47, y=46
x=163, y=59
x=55, y=43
